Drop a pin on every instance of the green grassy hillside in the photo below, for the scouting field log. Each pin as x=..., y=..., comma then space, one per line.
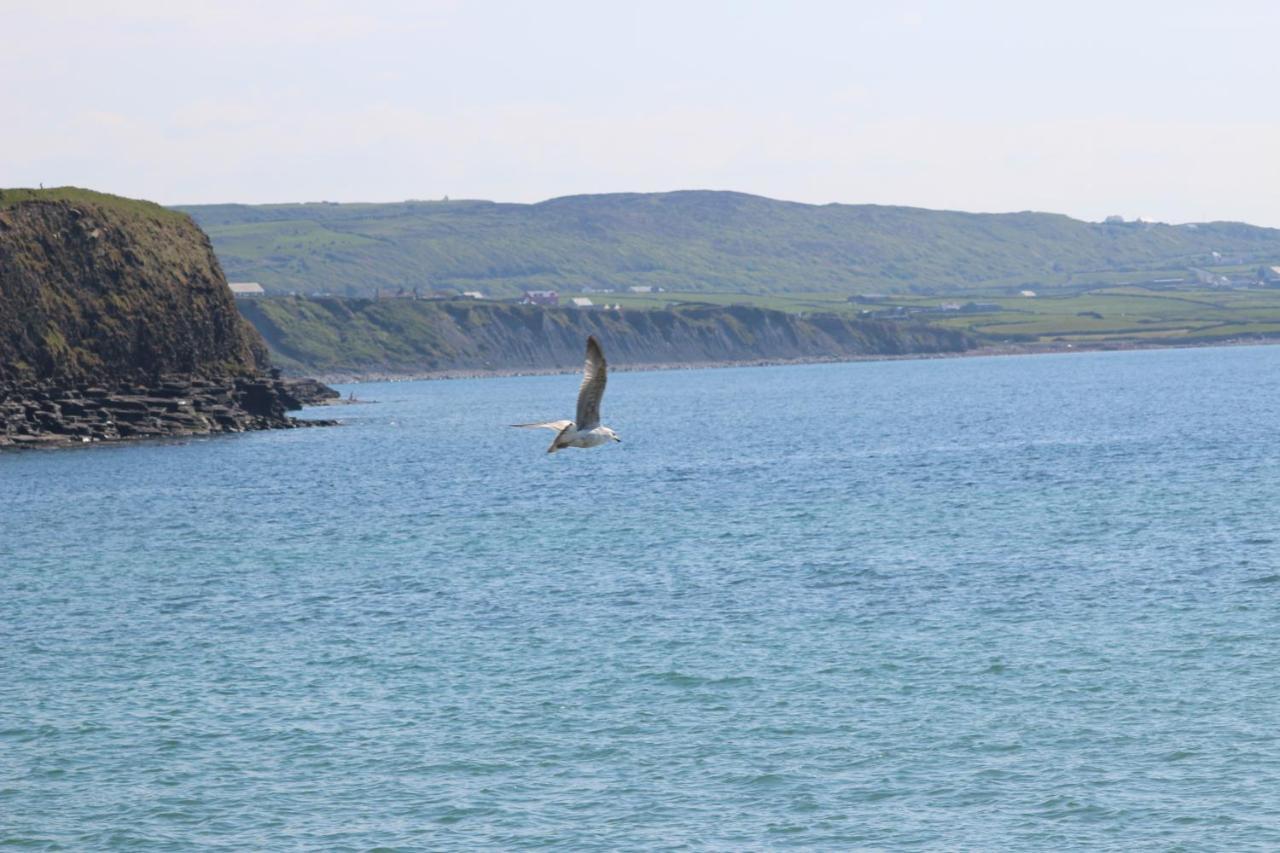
x=698, y=242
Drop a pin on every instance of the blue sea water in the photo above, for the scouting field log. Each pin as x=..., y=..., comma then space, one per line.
x=989, y=603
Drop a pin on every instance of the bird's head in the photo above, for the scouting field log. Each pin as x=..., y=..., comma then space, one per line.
x=609, y=432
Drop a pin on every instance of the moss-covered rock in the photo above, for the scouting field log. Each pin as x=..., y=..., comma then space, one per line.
x=100, y=288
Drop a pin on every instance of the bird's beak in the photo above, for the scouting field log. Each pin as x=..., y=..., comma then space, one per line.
x=615, y=438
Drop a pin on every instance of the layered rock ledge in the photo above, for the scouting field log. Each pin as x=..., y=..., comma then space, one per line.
x=49, y=415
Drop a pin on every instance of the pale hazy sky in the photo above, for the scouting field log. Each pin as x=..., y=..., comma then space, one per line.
x=1165, y=110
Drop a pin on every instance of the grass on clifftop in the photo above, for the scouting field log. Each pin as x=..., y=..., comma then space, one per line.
x=77, y=195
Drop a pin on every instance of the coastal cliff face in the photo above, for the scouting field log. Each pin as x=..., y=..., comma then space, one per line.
x=116, y=322
x=362, y=337
x=106, y=291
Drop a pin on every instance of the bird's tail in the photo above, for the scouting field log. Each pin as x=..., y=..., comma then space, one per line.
x=558, y=426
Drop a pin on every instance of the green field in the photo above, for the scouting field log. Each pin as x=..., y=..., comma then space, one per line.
x=1114, y=315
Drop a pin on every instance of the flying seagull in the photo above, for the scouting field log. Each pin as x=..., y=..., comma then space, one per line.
x=587, y=431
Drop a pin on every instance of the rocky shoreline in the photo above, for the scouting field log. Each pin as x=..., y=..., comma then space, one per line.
x=50, y=415
x=354, y=377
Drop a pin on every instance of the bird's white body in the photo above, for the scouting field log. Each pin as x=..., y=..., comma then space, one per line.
x=586, y=438
x=587, y=431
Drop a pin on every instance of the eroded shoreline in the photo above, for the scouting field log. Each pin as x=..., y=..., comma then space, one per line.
x=359, y=377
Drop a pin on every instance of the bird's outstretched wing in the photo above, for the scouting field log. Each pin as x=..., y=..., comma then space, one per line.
x=594, y=377
x=555, y=425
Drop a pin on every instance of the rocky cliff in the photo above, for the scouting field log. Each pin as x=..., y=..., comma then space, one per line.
x=116, y=322
x=363, y=337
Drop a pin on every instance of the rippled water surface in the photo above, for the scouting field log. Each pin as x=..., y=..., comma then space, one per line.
x=1011, y=603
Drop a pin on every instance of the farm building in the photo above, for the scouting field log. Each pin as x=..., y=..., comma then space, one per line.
x=541, y=297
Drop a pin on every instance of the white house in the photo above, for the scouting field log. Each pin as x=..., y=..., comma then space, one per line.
x=581, y=302
x=246, y=288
